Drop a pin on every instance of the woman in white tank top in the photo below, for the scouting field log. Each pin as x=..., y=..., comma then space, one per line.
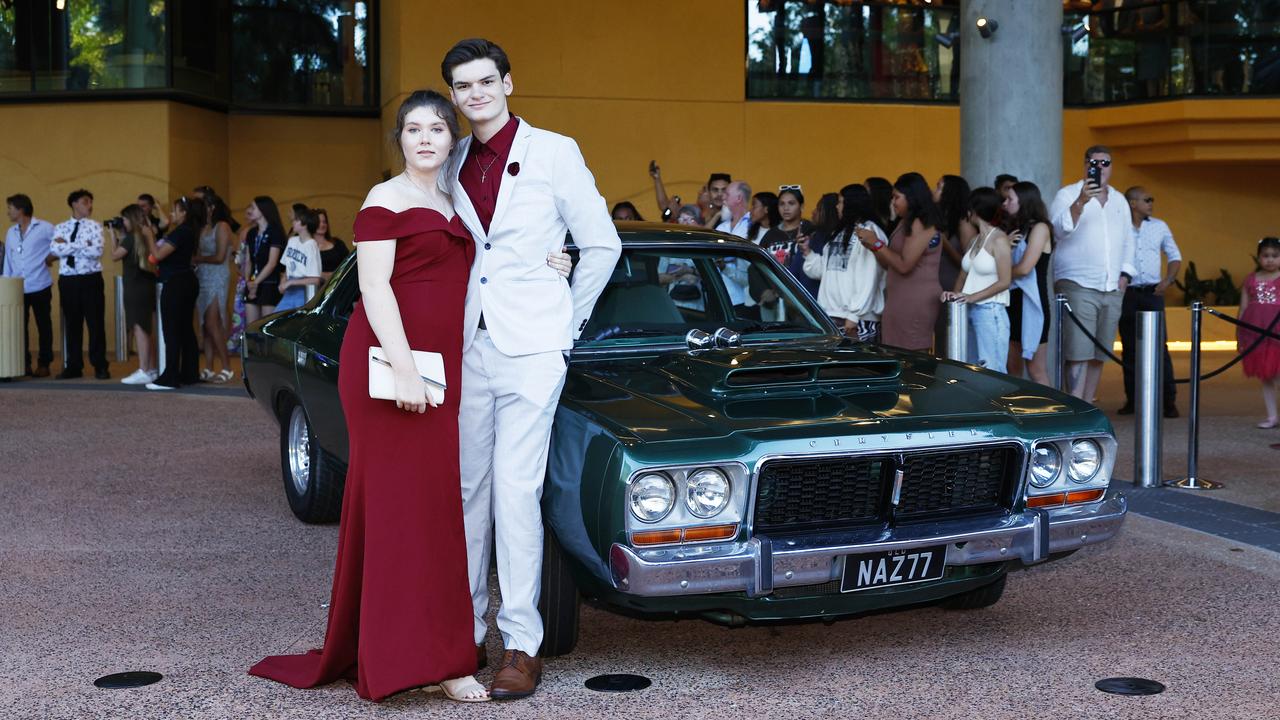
x=985, y=274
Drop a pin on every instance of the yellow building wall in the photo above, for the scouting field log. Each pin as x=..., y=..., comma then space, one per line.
x=321, y=162
x=667, y=82
x=116, y=150
x=120, y=149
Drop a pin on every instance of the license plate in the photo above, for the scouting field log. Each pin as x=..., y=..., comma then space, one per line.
x=895, y=567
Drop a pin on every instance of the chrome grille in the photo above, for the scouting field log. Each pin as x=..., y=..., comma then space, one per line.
x=798, y=494
x=795, y=495
x=955, y=481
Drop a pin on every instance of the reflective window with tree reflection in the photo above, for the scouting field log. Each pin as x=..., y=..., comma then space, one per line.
x=298, y=55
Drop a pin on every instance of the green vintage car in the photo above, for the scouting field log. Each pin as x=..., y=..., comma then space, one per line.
x=722, y=450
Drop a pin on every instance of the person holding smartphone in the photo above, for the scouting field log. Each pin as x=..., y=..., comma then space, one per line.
x=1093, y=263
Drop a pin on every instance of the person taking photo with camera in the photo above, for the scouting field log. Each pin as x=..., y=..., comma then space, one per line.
x=132, y=237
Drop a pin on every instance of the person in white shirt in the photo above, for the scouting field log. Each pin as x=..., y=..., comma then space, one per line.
x=301, y=261
x=1152, y=237
x=1093, y=263
x=735, y=220
x=26, y=253
x=851, y=287
x=77, y=243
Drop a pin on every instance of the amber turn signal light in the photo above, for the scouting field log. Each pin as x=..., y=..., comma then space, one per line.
x=712, y=532
x=1085, y=496
x=656, y=537
x=1041, y=501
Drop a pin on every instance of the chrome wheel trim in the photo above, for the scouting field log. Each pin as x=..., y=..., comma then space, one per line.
x=299, y=450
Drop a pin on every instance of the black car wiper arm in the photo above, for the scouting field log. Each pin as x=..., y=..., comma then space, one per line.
x=774, y=325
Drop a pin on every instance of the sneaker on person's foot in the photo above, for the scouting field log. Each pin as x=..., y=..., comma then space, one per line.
x=137, y=377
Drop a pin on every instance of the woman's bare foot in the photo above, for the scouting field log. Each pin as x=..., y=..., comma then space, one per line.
x=464, y=689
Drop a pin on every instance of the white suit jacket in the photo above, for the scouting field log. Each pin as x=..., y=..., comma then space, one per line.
x=528, y=308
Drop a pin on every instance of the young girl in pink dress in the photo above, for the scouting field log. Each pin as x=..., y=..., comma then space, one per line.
x=1259, y=305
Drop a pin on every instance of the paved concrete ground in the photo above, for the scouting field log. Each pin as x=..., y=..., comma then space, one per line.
x=170, y=547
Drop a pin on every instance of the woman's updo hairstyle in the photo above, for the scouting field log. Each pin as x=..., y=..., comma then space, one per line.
x=430, y=99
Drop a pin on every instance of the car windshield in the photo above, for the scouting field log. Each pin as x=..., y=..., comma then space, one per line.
x=657, y=295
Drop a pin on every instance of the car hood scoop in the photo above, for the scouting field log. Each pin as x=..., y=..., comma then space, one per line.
x=748, y=370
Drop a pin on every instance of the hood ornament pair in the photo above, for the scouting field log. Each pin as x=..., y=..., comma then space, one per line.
x=702, y=340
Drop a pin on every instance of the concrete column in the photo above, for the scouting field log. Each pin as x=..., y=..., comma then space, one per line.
x=1011, y=93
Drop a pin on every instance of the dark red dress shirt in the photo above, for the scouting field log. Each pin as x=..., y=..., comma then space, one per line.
x=482, y=171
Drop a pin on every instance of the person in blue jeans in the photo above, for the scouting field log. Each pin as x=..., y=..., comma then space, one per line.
x=986, y=271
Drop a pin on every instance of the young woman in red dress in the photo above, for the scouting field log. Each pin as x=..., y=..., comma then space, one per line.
x=400, y=613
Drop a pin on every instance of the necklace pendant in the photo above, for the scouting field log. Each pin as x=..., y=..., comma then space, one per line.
x=483, y=176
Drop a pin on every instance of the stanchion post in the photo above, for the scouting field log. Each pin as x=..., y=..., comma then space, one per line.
x=1059, y=330
x=1191, y=482
x=122, y=330
x=1148, y=447
x=958, y=331
x=159, y=331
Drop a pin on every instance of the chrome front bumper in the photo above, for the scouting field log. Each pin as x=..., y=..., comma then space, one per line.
x=758, y=566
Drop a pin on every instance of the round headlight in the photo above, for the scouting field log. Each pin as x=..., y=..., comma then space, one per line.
x=708, y=492
x=1046, y=462
x=652, y=497
x=1086, y=458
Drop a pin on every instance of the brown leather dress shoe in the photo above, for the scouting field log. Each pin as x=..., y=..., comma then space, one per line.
x=518, y=676
x=482, y=658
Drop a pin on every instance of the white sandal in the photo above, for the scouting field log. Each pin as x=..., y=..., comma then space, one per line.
x=206, y=375
x=222, y=376
x=463, y=689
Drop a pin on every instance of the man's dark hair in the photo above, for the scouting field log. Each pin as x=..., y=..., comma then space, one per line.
x=148, y=197
x=1095, y=149
x=22, y=203
x=719, y=176
x=298, y=209
x=1003, y=178
x=75, y=196
x=473, y=49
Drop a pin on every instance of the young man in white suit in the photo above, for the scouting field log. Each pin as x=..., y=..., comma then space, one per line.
x=518, y=190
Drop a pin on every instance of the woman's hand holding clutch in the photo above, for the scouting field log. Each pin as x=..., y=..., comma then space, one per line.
x=411, y=392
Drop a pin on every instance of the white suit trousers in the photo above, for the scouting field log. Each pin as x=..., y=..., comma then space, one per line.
x=504, y=427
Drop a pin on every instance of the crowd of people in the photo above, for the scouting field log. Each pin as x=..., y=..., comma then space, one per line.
x=177, y=263
x=882, y=258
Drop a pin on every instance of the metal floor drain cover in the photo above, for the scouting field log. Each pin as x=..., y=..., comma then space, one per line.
x=137, y=678
x=618, y=683
x=1129, y=686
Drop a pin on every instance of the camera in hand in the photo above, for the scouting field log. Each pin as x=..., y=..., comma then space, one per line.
x=115, y=223
x=1095, y=175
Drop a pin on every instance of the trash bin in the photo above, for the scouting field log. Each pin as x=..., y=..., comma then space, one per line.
x=12, y=363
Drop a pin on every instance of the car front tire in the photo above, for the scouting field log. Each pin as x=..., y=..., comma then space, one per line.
x=312, y=481
x=560, y=602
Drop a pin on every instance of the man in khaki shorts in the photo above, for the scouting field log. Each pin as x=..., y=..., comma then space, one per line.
x=1093, y=263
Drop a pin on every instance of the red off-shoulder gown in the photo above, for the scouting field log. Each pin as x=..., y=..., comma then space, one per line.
x=400, y=612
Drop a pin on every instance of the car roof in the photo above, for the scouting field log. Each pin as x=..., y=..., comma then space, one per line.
x=651, y=233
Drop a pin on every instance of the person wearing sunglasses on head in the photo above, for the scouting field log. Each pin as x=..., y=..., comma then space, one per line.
x=1093, y=263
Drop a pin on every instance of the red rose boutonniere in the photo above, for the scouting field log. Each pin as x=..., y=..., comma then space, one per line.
x=513, y=169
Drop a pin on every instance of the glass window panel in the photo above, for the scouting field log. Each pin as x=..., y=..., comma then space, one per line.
x=91, y=44
x=312, y=53
x=887, y=50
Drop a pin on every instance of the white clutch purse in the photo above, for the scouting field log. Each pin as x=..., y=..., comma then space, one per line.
x=382, y=383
